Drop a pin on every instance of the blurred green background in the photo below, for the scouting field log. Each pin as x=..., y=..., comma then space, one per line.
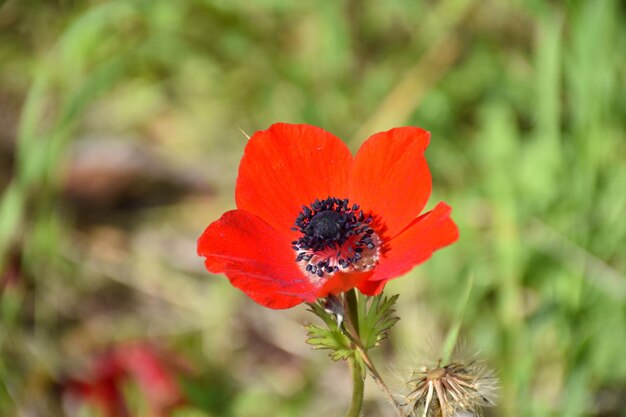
x=120, y=141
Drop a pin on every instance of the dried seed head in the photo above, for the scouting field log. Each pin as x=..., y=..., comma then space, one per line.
x=454, y=390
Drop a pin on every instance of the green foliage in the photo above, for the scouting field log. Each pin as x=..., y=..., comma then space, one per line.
x=331, y=337
x=344, y=338
x=334, y=339
x=376, y=317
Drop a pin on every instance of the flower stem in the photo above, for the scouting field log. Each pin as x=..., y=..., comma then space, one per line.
x=357, y=378
x=379, y=381
x=353, y=312
x=353, y=334
x=357, y=390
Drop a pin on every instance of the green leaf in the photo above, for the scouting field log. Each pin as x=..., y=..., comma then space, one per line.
x=376, y=318
x=320, y=311
x=332, y=337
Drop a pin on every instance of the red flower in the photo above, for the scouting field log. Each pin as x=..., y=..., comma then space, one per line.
x=138, y=362
x=313, y=220
x=101, y=388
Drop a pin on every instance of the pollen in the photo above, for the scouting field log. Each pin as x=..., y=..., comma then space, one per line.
x=336, y=237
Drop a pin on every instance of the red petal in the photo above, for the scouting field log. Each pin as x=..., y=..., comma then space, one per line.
x=102, y=394
x=288, y=166
x=372, y=287
x=426, y=234
x=152, y=375
x=342, y=282
x=256, y=259
x=390, y=177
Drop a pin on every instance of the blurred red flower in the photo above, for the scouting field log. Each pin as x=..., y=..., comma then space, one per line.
x=313, y=220
x=137, y=362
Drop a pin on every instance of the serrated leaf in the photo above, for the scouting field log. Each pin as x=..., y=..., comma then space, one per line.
x=376, y=317
x=319, y=310
x=333, y=339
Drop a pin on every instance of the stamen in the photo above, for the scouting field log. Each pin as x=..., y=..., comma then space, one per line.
x=336, y=236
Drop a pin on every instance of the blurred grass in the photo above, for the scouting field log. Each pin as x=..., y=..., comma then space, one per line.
x=526, y=104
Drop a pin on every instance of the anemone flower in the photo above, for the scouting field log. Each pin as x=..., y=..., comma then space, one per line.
x=312, y=220
x=102, y=386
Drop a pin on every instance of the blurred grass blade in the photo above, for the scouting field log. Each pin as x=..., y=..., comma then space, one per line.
x=452, y=337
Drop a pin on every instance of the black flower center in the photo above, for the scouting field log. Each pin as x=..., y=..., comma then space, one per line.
x=334, y=236
x=328, y=227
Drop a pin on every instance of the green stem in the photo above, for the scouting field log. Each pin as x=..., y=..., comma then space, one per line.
x=357, y=378
x=353, y=332
x=353, y=311
x=379, y=380
x=357, y=390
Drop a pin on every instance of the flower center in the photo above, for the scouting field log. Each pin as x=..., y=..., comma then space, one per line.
x=327, y=228
x=335, y=237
